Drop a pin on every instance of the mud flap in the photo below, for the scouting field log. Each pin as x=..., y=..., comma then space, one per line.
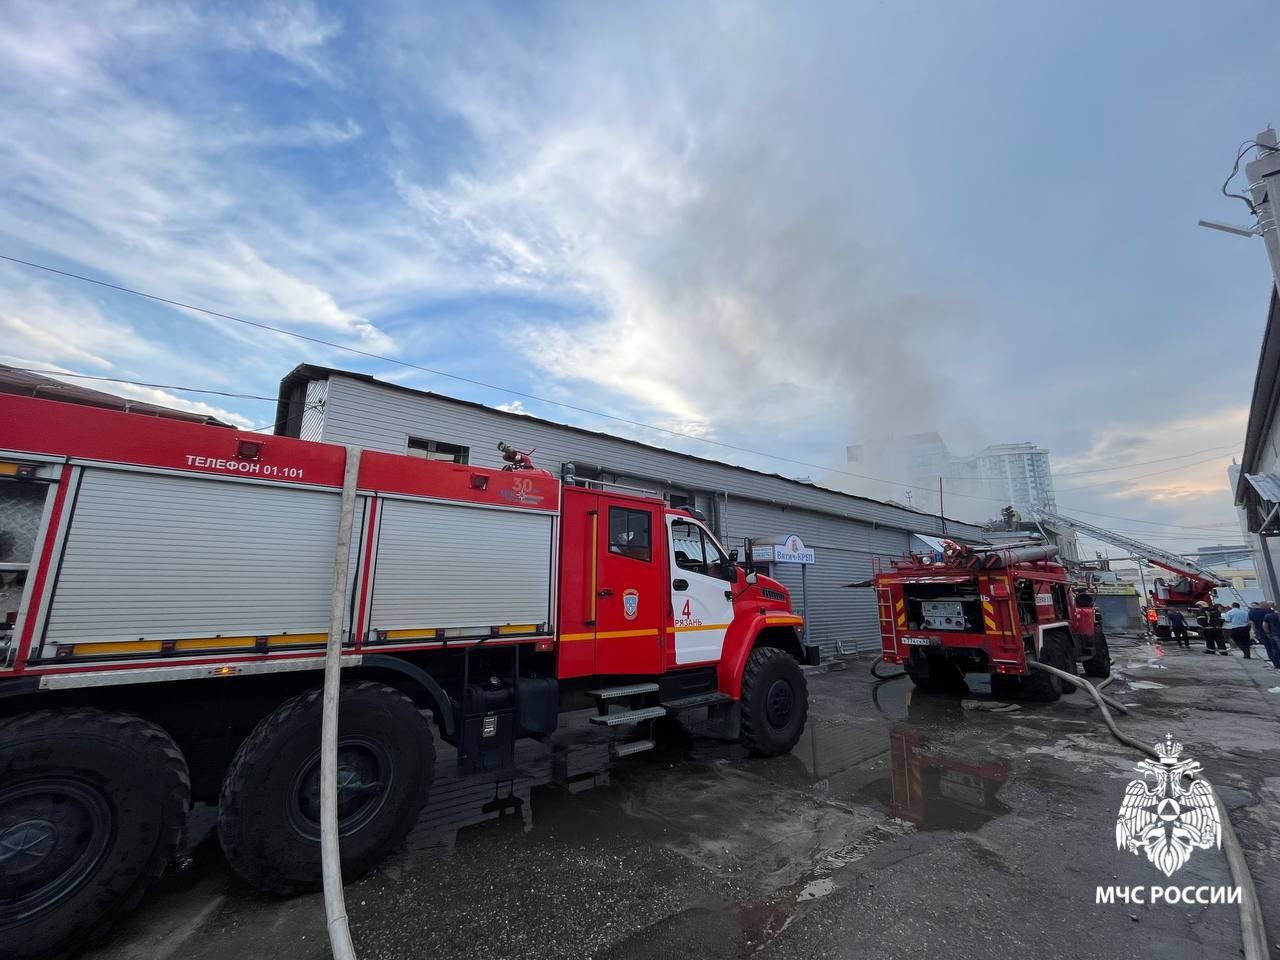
x=728, y=716
x=812, y=655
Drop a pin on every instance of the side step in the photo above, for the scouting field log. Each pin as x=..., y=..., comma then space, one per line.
x=631, y=690
x=620, y=750
x=710, y=699
x=631, y=716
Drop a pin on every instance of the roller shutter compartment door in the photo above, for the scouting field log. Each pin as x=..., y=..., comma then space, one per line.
x=450, y=566
x=155, y=557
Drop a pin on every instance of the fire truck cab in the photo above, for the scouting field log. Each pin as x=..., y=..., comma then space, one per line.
x=166, y=591
x=988, y=610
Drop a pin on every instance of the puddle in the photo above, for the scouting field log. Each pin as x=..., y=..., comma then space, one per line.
x=934, y=790
x=1147, y=685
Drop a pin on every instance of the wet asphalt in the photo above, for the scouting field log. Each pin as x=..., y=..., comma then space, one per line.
x=901, y=825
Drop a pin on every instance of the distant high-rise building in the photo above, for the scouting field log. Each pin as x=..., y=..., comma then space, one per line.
x=1017, y=473
x=975, y=487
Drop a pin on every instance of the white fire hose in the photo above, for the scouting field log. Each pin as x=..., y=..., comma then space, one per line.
x=335, y=905
x=1252, y=932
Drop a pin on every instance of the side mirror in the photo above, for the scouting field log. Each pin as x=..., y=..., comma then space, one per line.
x=733, y=556
x=752, y=577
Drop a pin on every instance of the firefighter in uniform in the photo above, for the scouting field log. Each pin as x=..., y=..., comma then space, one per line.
x=1210, y=621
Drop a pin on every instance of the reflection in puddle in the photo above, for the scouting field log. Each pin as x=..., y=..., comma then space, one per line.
x=458, y=802
x=938, y=792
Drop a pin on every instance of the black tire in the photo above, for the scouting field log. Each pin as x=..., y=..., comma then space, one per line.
x=1044, y=687
x=943, y=677
x=269, y=811
x=97, y=802
x=775, y=702
x=1098, y=665
x=1005, y=687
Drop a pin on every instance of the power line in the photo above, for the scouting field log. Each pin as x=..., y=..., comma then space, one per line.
x=491, y=386
x=1143, y=463
x=1153, y=473
x=479, y=383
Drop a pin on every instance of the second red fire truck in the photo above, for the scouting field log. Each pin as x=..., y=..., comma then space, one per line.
x=165, y=597
x=988, y=610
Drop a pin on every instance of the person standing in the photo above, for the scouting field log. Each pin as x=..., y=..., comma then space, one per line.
x=1271, y=635
x=1237, y=621
x=1210, y=620
x=1257, y=614
x=1152, y=617
x=1178, y=626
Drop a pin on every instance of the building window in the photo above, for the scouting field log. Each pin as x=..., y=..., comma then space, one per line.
x=629, y=533
x=435, y=450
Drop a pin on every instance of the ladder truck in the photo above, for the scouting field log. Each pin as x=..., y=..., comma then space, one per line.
x=1194, y=585
x=166, y=598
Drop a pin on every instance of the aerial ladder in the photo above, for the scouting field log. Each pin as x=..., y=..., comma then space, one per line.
x=1194, y=584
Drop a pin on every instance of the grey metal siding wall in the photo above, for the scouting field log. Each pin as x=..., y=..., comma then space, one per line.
x=846, y=531
x=839, y=616
x=383, y=418
x=151, y=557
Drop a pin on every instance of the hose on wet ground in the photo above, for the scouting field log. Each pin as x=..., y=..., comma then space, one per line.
x=885, y=678
x=1252, y=932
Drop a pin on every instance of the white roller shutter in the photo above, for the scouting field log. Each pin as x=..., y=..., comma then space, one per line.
x=448, y=566
x=154, y=557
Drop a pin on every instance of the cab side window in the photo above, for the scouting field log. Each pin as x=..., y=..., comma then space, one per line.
x=630, y=533
x=1060, y=601
x=694, y=550
x=686, y=546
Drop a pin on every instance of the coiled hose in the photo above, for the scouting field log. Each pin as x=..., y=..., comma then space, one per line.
x=884, y=679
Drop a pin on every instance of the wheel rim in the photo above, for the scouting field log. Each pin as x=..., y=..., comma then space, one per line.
x=779, y=703
x=365, y=772
x=54, y=833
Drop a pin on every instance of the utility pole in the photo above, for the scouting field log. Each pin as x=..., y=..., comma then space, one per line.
x=941, y=510
x=1263, y=175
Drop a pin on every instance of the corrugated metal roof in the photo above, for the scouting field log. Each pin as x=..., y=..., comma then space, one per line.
x=1267, y=485
x=287, y=413
x=24, y=383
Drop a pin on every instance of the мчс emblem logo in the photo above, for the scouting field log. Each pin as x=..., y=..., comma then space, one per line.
x=630, y=603
x=1169, y=812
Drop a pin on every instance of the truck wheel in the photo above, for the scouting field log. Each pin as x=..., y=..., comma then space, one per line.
x=1005, y=687
x=1047, y=687
x=775, y=702
x=92, y=807
x=1099, y=665
x=269, y=811
x=943, y=677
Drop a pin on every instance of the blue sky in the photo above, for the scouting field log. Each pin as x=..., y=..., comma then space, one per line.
x=782, y=227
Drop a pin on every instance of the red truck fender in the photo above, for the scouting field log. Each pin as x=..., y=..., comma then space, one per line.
x=771, y=628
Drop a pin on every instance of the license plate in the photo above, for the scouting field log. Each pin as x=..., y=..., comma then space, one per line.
x=918, y=641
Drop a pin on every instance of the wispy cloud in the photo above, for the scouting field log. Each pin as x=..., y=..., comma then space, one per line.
x=784, y=228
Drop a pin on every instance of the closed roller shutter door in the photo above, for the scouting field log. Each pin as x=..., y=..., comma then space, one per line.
x=839, y=616
x=454, y=566
x=152, y=557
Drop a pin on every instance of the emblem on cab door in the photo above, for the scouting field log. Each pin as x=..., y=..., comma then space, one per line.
x=630, y=603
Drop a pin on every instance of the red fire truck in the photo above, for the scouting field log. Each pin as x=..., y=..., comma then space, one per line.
x=988, y=610
x=165, y=595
